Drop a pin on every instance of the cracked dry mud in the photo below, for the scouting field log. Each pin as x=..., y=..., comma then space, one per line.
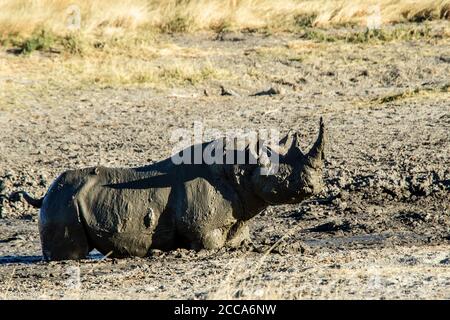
x=380, y=229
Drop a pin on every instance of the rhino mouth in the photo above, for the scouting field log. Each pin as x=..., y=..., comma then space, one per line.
x=289, y=197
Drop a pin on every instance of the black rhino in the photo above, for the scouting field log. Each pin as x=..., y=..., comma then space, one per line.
x=127, y=212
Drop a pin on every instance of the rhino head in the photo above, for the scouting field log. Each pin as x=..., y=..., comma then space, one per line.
x=296, y=176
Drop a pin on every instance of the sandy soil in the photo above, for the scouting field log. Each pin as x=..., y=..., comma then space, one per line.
x=380, y=229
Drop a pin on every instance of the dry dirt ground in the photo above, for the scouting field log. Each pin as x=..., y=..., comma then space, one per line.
x=380, y=229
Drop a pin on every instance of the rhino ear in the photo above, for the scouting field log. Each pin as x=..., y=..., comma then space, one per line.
x=294, y=150
x=285, y=143
x=263, y=157
x=253, y=149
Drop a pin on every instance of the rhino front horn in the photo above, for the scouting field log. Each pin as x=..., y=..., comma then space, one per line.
x=316, y=155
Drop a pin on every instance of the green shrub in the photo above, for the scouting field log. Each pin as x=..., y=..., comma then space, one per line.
x=40, y=41
x=73, y=44
x=304, y=20
x=178, y=23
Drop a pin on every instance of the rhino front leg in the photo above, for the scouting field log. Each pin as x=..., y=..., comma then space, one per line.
x=214, y=239
x=238, y=233
x=229, y=236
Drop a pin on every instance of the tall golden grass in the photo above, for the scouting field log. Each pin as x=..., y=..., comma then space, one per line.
x=23, y=17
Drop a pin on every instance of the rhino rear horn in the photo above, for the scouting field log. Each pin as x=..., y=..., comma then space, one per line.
x=316, y=155
x=292, y=146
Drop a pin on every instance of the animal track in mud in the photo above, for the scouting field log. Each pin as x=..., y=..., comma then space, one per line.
x=412, y=218
x=332, y=226
x=393, y=185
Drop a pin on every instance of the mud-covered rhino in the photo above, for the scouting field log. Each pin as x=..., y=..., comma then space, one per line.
x=127, y=212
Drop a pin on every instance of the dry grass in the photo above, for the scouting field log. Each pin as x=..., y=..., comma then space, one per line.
x=120, y=43
x=23, y=17
x=360, y=275
x=22, y=76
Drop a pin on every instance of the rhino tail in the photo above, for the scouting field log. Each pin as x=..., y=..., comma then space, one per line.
x=22, y=195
